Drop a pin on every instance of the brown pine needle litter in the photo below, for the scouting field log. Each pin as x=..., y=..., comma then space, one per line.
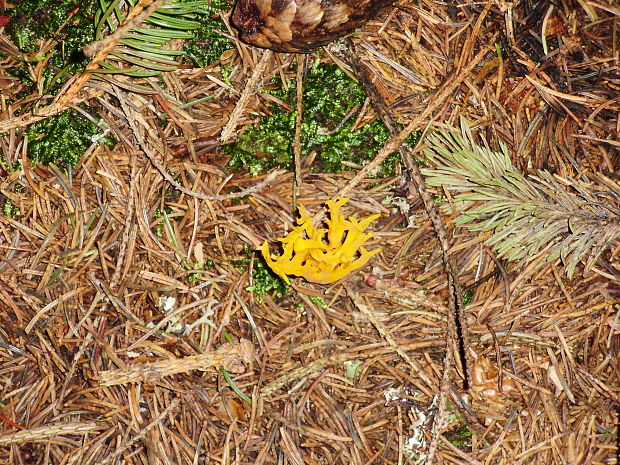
x=130, y=331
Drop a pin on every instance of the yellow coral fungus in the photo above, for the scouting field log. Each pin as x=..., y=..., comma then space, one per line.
x=307, y=254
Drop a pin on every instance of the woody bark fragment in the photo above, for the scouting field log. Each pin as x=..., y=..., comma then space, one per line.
x=230, y=356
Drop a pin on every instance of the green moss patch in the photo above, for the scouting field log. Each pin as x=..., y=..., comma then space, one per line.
x=208, y=44
x=327, y=127
x=62, y=139
x=35, y=20
x=263, y=279
x=460, y=438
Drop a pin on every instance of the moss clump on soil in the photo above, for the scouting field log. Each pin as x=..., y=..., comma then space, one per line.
x=194, y=277
x=33, y=21
x=263, y=279
x=9, y=209
x=319, y=302
x=61, y=139
x=460, y=438
x=208, y=44
x=467, y=297
x=328, y=100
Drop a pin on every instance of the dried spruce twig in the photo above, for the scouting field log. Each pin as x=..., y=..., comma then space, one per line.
x=229, y=355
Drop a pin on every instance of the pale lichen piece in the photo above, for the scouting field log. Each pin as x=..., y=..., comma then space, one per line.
x=321, y=255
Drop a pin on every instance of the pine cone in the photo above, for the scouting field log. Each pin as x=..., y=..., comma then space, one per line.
x=300, y=25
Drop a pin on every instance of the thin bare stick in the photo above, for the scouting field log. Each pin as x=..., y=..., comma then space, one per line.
x=297, y=141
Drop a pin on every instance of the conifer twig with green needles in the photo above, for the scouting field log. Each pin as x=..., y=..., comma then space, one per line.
x=527, y=215
x=122, y=47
